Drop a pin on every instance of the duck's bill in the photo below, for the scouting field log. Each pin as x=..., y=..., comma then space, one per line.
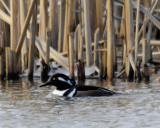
x=44, y=84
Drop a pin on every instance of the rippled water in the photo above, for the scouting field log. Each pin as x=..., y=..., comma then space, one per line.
x=24, y=104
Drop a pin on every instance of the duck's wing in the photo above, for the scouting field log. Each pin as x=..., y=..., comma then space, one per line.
x=97, y=91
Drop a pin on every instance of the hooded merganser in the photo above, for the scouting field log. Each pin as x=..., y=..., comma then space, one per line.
x=66, y=86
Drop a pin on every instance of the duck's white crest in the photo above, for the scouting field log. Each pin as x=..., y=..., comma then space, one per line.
x=61, y=79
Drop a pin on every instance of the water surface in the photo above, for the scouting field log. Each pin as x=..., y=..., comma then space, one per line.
x=24, y=104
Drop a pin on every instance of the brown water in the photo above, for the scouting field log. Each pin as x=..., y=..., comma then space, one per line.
x=24, y=105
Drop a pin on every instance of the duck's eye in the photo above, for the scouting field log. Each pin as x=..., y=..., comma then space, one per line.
x=54, y=78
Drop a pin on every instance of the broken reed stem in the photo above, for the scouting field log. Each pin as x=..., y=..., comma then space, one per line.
x=87, y=33
x=110, y=34
x=136, y=35
x=32, y=43
x=96, y=40
x=23, y=33
x=2, y=74
x=129, y=32
x=71, y=54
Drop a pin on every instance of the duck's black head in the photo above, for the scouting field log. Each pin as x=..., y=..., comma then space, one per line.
x=61, y=81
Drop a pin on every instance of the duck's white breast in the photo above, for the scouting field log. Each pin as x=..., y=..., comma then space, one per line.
x=61, y=93
x=58, y=92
